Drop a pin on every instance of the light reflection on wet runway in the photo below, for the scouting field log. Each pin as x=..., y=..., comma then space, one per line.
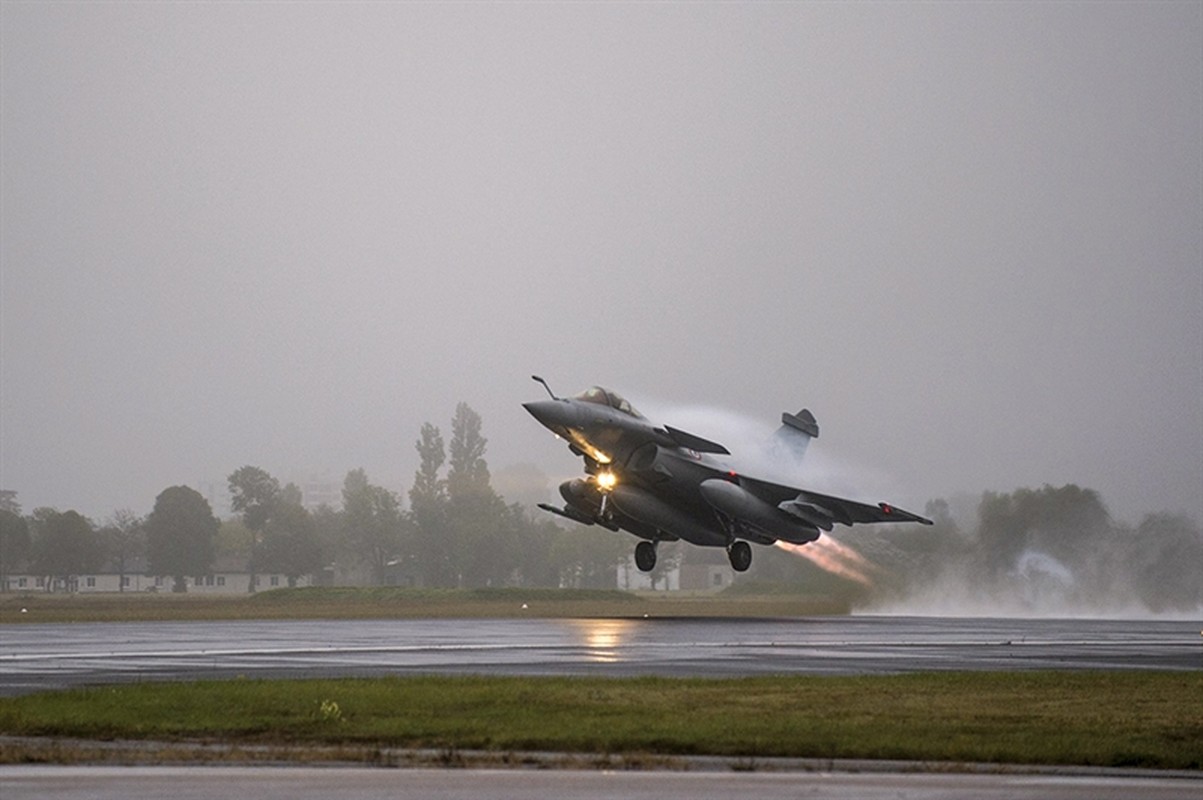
x=34, y=657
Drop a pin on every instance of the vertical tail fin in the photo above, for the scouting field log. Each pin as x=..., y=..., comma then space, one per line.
x=795, y=434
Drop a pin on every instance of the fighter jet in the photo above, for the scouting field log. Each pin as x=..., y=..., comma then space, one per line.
x=663, y=484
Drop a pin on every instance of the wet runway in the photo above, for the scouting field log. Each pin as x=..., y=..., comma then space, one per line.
x=186, y=783
x=38, y=657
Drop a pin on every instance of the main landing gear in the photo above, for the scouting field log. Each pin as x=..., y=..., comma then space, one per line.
x=740, y=555
x=739, y=552
x=645, y=556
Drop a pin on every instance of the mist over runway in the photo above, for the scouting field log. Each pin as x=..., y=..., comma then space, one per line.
x=40, y=657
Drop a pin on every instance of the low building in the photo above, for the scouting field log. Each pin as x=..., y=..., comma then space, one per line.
x=230, y=575
x=666, y=578
x=706, y=577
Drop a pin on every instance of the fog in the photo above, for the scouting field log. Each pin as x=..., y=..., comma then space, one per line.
x=1086, y=569
x=966, y=236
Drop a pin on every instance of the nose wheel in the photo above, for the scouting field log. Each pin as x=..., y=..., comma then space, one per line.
x=740, y=555
x=645, y=556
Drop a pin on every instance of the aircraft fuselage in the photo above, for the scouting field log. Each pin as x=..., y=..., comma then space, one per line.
x=662, y=483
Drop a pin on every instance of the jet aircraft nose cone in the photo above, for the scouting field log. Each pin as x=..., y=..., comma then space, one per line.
x=553, y=414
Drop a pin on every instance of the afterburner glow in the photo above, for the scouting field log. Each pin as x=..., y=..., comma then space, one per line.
x=838, y=559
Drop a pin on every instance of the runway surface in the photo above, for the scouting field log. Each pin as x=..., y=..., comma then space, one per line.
x=39, y=657
x=184, y=783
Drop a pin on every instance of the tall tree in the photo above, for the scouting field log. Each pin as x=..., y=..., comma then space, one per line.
x=467, y=468
x=233, y=540
x=253, y=494
x=290, y=543
x=1166, y=555
x=588, y=558
x=14, y=543
x=373, y=524
x=65, y=544
x=536, y=538
x=1002, y=533
x=1066, y=521
x=180, y=534
x=484, y=541
x=124, y=539
x=331, y=538
x=1061, y=522
x=433, y=550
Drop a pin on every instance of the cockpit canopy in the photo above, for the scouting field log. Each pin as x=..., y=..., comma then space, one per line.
x=605, y=397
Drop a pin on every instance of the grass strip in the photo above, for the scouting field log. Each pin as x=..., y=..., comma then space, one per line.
x=1078, y=718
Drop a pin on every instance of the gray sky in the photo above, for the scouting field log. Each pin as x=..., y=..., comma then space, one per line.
x=967, y=236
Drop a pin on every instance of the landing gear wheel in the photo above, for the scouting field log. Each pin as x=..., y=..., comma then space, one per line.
x=645, y=556
x=740, y=554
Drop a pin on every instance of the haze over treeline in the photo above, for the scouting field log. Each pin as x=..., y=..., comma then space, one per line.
x=966, y=235
x=1051, y=550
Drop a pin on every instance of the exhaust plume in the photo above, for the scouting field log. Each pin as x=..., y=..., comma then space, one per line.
x=829, y=555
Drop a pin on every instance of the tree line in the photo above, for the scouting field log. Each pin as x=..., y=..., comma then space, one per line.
x=1053, y=547
x=457, y=530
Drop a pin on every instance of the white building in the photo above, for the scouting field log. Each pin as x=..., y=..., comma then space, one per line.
x=229, y=576
x=631, y=579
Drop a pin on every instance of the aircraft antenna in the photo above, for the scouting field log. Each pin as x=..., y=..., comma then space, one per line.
x=545, y=386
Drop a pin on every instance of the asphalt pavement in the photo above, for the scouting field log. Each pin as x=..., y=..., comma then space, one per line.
x=35, y=657
x=293, y=783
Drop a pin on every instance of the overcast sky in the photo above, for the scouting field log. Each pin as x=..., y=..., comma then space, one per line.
x=966, y=236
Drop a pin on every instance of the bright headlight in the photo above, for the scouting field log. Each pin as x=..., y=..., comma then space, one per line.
x=606, y=481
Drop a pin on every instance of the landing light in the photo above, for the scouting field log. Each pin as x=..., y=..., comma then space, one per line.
x=606, y=481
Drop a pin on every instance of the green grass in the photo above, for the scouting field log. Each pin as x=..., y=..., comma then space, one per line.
x=1080, y=718
x=398, y=603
